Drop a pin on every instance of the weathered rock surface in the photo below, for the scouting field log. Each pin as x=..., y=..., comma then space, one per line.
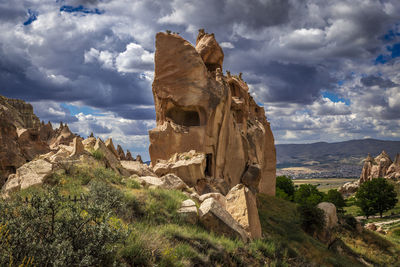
x=241, y=203
x=217, y=196
x=329, y=209
x=189, y=211
x=128, y=155
x=78, y=148
x=171, y=181
x=188, y=166
x=135, y=167
x=110, y=145
x=198, y=108
x=215, y=218
x=378, y=167
x=121, y=153
x=150, y=181
x=29, y=174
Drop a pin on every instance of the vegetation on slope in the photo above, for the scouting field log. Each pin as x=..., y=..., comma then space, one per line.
x=90, y=216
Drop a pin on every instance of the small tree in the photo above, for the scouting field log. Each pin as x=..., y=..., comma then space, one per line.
x=284, y=187
x=376, y=196
x=308, y=194
x=333, y=196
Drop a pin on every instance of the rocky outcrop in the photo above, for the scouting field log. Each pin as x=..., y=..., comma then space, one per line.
x=198, y=108
x=215, y=218
x=188, y=211
x=135, y=167
x=378, y=167
x=329, y=209
x=20, y=138
x=30, y=174
x=241, y=203
x=190, y=166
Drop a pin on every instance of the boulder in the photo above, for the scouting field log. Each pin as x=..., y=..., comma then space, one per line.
x=171, y=181
x=149, y=181
x=215, y=218
x=329, y=209
x=217, y=196
x=241, y=203
x=188, y=211
x=370, y=226
x=135, y=167
x=189, y=166
x=209, y=50
x=29, y=174
x=349, y=188
x=251, y=178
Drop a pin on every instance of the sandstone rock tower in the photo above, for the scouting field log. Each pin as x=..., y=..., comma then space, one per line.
x=198, y=108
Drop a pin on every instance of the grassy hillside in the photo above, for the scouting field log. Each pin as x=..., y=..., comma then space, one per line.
x=93, y=216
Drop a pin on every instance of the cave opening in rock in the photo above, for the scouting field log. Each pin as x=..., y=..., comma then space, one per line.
x=208, y=170
x=183, y=117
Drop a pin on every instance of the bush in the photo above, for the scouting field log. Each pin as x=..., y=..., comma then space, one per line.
x=97, y=154
x=333, y=196
x=55, y=231
x=312, y=218
x=376, y=196
x=284, y=187
x=308, y=195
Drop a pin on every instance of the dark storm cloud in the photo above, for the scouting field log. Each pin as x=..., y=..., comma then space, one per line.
x=289, y=52
x=50, y=111
x=373, y=80
x=293, y=83
x=99, y=129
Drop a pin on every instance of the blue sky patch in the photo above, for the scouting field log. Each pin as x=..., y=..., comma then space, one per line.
x=80, y=9
x=395, y=52
x=335, y=97
x=74, y=110
x=32, y=17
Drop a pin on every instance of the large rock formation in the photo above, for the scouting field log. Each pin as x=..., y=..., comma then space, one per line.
x=19, y=136
x=378, y=167
x=198, y=108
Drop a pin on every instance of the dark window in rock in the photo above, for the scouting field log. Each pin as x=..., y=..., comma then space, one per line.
x=11, y=169
x=183, y=117
x=208, y=170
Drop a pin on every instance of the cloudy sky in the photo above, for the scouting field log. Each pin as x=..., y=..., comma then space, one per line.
x=323, y=70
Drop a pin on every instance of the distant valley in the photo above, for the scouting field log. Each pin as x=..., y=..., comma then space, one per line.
x=329, y=160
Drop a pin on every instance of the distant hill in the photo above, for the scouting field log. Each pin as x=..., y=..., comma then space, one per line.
x=341, y=159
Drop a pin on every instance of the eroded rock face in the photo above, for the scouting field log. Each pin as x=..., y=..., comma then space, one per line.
x=378, y=167
x=198, y=108
x=215, y=218
x=190, y=166
x=241, y=203
x=29, y=174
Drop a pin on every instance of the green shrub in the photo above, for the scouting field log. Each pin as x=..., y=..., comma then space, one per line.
x=284, y=187
x=376, y=196
x=308, y=195
x=135, y=252
x=312, y=218
x=333, y=196
x=55, y=231
x=97, y=154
